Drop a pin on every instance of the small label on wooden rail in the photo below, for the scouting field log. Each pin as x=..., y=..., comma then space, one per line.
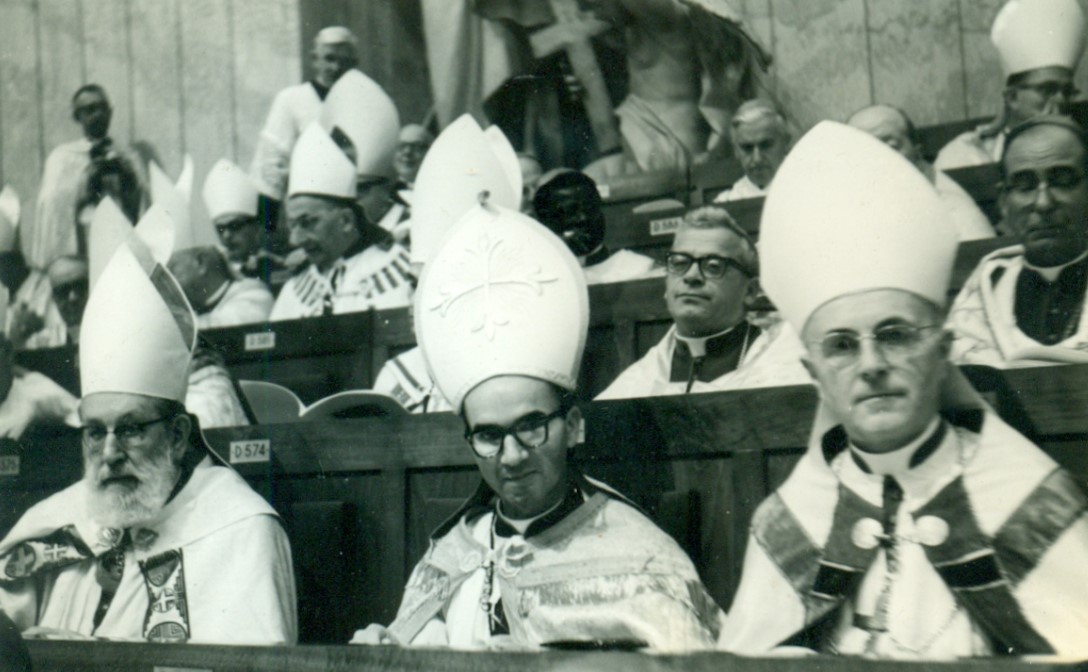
x=159, y=668
x=252, y=450
x=662, y=227
x=9, y=465
x=260, y=340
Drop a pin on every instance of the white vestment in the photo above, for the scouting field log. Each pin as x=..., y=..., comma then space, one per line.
x=245, y=301
x=213, y=567
x=374, y=278
x=293, y=109
x=741, y=189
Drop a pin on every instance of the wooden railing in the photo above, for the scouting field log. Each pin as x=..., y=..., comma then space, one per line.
x=124, y=657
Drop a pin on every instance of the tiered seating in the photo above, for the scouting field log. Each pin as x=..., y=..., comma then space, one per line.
x=699, y=464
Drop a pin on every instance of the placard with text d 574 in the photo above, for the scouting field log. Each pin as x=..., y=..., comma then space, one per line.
x=250, y=450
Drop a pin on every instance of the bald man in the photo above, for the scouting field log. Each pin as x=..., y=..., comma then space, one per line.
x=894, y=128
x=217, y=296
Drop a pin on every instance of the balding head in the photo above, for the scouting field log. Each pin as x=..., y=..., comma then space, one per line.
x=200, y=271
x=891, y=126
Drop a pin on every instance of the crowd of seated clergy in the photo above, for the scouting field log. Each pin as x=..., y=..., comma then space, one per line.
x=918, y=524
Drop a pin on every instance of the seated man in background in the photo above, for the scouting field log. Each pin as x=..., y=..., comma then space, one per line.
x=156, y=542
x=219, y=299
x=1040, y=43
x=70, y=286
x=234, y=207
x=712, y=276
x=894, y=128
x=569, y=204
x=353, y=266
x=412, y=144
x=1025, y=304
x=27, y=398
x=540, y=554
x=918, y=524
x=761, y=140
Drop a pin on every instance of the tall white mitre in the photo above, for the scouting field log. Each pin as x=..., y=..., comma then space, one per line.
x=229, y=190
x=846, y=214
x=319, y=167
x=138, y=330
x=10, y=211
x=1031, y=34
x=361, y=108
x=501, y=296
x=462, y=162
x=176, y=200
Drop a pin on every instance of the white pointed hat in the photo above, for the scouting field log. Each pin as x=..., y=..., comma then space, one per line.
x=109, y=229
x=846, y=214
x=361, y=108
x=319, y=167
x=10, y=211
x=138, y=330
x=1032, y=34
x=167, y=194
x=502, y=296
x=460, y=164
x=229, y=190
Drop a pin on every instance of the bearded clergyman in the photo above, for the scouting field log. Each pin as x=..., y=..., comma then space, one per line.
x=157, y=542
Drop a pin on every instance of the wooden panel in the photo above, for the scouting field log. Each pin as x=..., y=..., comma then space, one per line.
x=61, y=33
x=266, y=59
x=814, y=38
x=109, y=63
x=915, y=46
x=50, y=656
x=21, y=150
x=208, y=91
x=156, y=82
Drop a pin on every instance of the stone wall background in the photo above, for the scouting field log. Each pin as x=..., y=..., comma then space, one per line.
x=932, y=58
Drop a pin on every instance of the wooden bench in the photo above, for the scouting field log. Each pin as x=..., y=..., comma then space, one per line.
x=699, y=464
x=132, y=657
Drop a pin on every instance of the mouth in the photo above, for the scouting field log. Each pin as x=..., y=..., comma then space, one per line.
x=879, y=396
x=122, y=480
x=517, y=479
x=687, y=296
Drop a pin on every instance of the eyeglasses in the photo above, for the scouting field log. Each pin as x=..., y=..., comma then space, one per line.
x=1027, y=182
x=842, y=348
x=233, y=226
x=1048, y=90
x=127, y=433
x=530, y=432
x=711, y=266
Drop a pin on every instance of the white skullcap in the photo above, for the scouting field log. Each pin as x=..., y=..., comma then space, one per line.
x=502, y=296
x=846, y=214
x=319, y=167
x=229, y=190
x=10, y=211
x=461, y=163
x=415, y=133
x=1033, y=34
x=335, y=35
x=361, y=108
x=138, y=330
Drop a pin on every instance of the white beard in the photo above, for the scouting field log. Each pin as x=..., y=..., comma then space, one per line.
x=121, y=507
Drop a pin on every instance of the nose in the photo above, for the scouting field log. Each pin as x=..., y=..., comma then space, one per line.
x=693, y=276
x=872, y=363
x=111, y=450
x=1044, y=200
x=512, y=453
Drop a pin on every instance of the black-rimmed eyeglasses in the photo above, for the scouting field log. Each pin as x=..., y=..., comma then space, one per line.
x=530, y=432
x=711, y=266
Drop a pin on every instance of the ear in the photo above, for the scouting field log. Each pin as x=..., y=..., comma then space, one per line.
x=752, y=294
x=574, y=426
x=181, y=427
x=1002, y=202
x=811, y=368
x=947, y=336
